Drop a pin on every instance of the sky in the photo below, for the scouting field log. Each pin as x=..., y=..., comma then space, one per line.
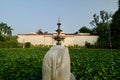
x=26, y=16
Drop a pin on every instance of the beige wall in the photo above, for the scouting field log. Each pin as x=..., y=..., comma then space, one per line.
x=80, y=40
x=36, y=39
x=69, y=40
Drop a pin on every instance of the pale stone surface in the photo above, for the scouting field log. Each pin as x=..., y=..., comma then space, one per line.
x=56, y=64
x=72, y=77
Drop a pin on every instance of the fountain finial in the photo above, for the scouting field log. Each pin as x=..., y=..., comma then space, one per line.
x=59, y=22
x=58, y=19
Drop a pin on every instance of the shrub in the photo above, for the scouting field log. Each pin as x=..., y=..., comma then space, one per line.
x=41, y=46
x=88, y=45
x=2, y=38
x=74, y=46
x=9, y=44
x=27, y=45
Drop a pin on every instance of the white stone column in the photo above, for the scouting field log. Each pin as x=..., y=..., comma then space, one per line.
x=56, y=64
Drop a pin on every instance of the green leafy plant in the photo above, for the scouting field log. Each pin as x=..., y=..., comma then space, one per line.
x=86, y=64
x=27, y=45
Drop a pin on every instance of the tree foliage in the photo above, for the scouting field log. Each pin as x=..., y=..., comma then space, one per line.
x=10, y=42
x=2, y=38
x=101, y=28
x=40, y=31
x=6, y=38
x=5, y=29
x=115, y=30
x=84, y=29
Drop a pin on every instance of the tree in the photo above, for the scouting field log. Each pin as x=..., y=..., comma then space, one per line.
x=1, y=28
x=9, y=31
x=115, y=29
x=84, y=29
x=2, y=38
x=40, y=31
x=101, y=28
x=5, y=30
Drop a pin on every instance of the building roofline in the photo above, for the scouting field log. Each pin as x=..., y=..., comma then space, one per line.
x=66, y=34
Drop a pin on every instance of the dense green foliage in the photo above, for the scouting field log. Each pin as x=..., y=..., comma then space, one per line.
x=92, y=64
x=86, y=64
x=83, y=29
x=5, y=29
x=21, y=64
x=101, y=28
x=6, y=38
x=27, y=45
x=10, y=42
x=2, y=38
x=115, y=30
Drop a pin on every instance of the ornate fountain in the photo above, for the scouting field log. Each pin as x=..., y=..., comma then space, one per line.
x=56, y=63
x=59, y=36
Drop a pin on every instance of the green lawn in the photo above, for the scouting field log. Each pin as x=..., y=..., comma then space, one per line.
x=90, y=64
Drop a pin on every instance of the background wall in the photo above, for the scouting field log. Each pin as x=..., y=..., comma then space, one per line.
x=47, y=39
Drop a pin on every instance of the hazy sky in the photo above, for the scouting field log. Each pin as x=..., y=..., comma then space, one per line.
x=26, y=16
